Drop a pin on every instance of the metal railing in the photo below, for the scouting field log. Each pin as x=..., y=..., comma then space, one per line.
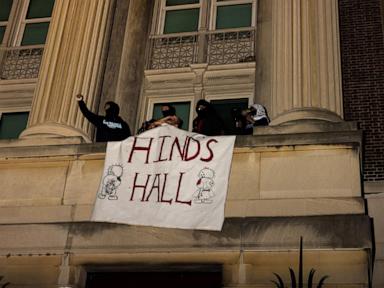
x=231, y=46
x=166, y=51
x=213, y=47
x=171, y=51
x=20, y=62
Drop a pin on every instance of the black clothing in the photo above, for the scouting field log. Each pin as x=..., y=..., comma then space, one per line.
x=262, y=122
x=145, y=126
x=207, y=122
x=110, y=127
x=210, y=126
x=112, y=110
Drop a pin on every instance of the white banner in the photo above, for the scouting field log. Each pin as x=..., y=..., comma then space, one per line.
x=166, y=177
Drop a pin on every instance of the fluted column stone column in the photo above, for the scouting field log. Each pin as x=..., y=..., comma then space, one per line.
x=72, y=64
x=306, y=69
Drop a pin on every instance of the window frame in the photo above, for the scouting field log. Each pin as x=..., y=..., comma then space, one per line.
x=163, y=11
x=230, y=96
x=207, y=23
x=8, y=24
x=17, y=22
x=20, y=25
x=151, y=102
x=4, y=24
x=215, y=4
x=12, y=111
x=211, y=12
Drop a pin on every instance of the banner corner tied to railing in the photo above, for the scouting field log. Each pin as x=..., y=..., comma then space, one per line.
x=166, y=177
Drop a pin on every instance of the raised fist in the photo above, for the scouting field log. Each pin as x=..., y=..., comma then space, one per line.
x=79, y=97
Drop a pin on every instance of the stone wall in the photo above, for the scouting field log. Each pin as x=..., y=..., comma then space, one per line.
x=271, y=175
x=282, y=186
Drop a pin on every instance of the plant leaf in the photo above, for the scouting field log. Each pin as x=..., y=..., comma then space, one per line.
x=277, y=284
x=293, y=278
x=281, y=283
x=321, y=282
x=310, y=277
x=301, y=264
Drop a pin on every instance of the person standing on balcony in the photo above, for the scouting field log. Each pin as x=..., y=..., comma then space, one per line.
x=110, y=127
x=256, y=115
x=169, y=117
x=207, y=121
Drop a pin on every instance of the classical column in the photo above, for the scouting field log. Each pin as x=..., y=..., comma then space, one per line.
x=72, y=64
x=306, y=77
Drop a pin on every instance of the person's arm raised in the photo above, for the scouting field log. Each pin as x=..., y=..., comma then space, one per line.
x=92, y=117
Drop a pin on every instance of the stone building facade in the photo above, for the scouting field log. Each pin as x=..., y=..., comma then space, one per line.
x=316, y=172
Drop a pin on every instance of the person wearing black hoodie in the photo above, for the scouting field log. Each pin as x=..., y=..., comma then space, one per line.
x=109, y=127
x=207, y=121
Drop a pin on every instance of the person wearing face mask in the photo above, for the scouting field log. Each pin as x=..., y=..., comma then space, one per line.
x=169, y=117
x=110, y=127
x=207, y=121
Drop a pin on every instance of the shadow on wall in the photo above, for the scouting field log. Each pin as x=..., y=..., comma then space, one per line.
x=5, y=284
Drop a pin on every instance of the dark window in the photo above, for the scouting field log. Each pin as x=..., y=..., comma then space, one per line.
x=177, y=21
x=182, y=111
x=234, y=16
x=5, y=10
x=225, y=109
x=181, y=2
x=6, y=6
x=40, y=9
x=177, y=279
x=12, y=124
x=2, y=32
x=35, y=33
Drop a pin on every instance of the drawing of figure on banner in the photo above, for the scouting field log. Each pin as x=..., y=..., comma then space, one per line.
x=204, y=192
x=111, y=182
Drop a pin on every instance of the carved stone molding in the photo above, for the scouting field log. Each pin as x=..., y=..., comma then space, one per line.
x=211, y=82
x=16, y=95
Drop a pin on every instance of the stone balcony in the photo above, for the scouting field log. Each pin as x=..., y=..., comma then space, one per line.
x=283, y=184
x=303, y=174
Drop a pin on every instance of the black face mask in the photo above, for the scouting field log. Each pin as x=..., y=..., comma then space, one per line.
x=109, y=112
x=166, y=113
x=201, y=112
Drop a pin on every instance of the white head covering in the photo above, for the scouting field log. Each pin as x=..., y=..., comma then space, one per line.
x=260, y=112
